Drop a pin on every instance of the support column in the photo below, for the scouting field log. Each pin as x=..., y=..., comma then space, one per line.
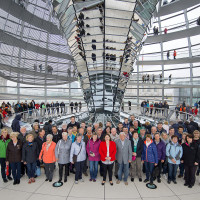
x=138, y=89
x=190, y=55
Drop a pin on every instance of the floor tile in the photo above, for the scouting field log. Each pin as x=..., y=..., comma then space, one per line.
x=43, y=196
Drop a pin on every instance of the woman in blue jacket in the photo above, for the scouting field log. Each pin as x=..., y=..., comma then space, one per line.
x=149, y=157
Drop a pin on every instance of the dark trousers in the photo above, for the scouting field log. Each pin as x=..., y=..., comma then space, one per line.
x=16, y=170
x=61, y=166
x=160, y=168
x=3, y=168
x=49, y=168
x=190, y=174
x=79, y=170
x=149, y=170
x=108, y=168
x=116, y=168
x=85, y=166
x=181, y=167
x=172, y=170
x=101, y=168
x=31, y=167
x=23, y=168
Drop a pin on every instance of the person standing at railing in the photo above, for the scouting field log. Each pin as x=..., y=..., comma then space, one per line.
x=52, y=105
x=170, y=78
x=165, y=31
x=174, y=54
x=57, y=107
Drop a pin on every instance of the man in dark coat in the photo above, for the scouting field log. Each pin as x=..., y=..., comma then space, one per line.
x=16, y=124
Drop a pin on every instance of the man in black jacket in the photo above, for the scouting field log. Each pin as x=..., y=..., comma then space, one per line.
x=73, y=123
x=57, y=135
x=194, y=124
x=48, y=127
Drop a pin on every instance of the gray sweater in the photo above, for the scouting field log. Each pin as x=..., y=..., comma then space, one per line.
x=76, y=149
x=62, y=151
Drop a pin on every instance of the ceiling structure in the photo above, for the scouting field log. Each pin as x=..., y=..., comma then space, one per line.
x=105, y=37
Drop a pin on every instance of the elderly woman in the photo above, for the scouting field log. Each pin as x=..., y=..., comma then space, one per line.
x=47, y=154
x=93, y=156
x=30, y=154
x=4, y=140
x=62, y=153
x=14, y=156
x=78, y=157
x=64, y=127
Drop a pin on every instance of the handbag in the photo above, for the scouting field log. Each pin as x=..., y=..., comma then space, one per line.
x=75, y=156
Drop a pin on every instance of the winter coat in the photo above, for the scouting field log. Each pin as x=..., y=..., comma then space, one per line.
x=62, y=151
x=30, y=153
x=14, y=153
x=48, y=156
x=93, y=147
x=191, y=154
x=22, y=138
x=174, y=151
x=75, y=149
x=139, y=147
x=15, y=123
x=161, y=149
x=150, y=153
x=3, y=146
x=47, y=128
x=72, y=125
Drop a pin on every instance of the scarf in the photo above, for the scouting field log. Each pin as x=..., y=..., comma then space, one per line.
x=135, y=144
x=5, y=139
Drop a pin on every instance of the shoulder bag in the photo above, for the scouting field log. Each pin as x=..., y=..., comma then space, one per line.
x=75, y=156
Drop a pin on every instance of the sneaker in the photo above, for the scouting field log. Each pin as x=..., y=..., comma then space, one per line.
x=76, y=182
x=140, y=179
x=164, y=176
x=174, y=182
x=146, y=180
x=118, y=182
x=82, y=180
x=168, y=181
x=126, y=183
x=132, y=179
x=5, y=180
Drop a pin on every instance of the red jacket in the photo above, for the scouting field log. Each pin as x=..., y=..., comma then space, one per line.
x=103, y=151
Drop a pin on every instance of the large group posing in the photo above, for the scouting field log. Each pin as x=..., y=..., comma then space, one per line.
x=131, y=148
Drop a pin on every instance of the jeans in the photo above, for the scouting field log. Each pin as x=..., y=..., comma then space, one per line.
x=172, y=170
x=31, y=167
x=3, y=168
x=108, y=168
x=93, y=169
x=49, y=168
x=123, y=168
x=79, y=170
x=61, y=166
x=181, y=167
x=149, y=170
x=16, y=170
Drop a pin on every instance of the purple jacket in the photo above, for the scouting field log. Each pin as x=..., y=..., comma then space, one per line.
x=161, y=149
x=94, y=147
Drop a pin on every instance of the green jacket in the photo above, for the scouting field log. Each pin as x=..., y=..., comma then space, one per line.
x=3, y=147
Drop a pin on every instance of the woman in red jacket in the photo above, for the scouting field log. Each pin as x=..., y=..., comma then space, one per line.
x=107, y=152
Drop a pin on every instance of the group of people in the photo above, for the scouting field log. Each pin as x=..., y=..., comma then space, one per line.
x=129, y=149
x=146, y=78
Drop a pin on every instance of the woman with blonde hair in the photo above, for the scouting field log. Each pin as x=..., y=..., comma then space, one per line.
x=14, y=156
x=30, y=155
x=4, y=140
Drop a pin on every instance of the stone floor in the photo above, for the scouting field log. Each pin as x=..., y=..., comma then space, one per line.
x=88, y=190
